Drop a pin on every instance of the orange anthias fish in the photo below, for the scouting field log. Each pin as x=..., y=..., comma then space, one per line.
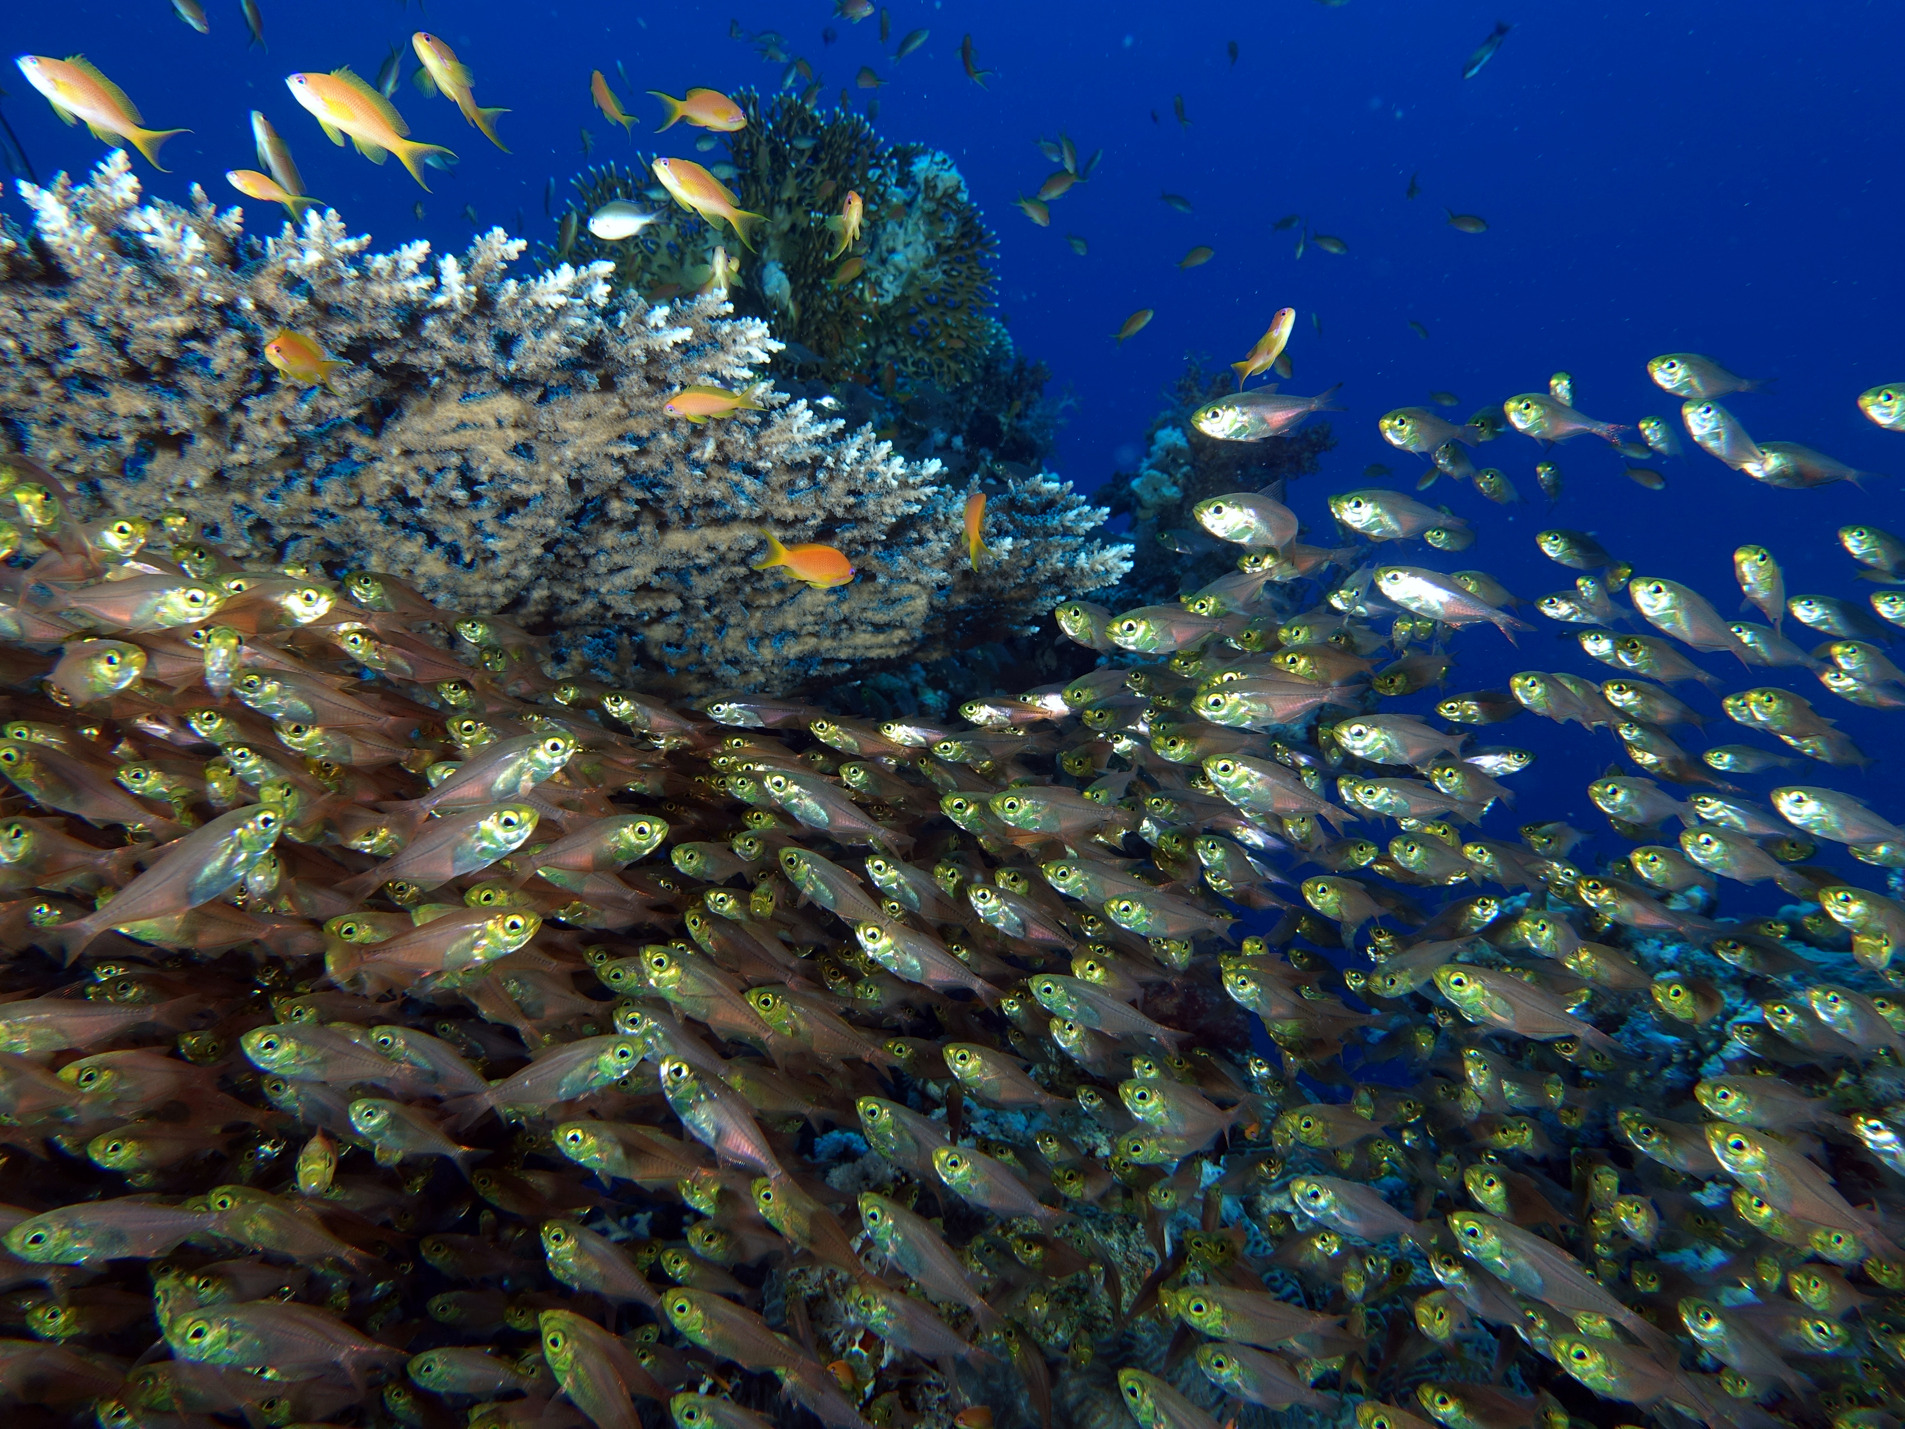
x=79, y=93
x=1133, y=325
x=1269, y=348
x=302, y=359
x=452, y=80
x=705, y=109
x=606, y=101
x=975, y=527
x=694, y=187
x=822, y=567
x=968, y=57
x=253, y=184
x=700, y=402
x=847, y=226
x=274, y=156
x=344, y=105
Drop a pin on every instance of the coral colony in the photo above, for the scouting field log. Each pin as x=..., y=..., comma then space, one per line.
x=468, y=963
x=499, y=440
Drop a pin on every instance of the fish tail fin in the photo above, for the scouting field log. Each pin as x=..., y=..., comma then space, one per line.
x=465, y=1111
x=485, y=120
x=742, y=220
x=69, y=940
x=147, y=142
x=410, y=152
x=1323, y=403
x=342, y=961
x=776, y=552
x=672, y=105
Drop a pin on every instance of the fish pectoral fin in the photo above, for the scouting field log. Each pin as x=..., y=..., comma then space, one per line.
x=376, y=153
x=331, y=132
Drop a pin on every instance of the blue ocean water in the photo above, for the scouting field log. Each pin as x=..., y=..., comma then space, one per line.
x=1700, y=176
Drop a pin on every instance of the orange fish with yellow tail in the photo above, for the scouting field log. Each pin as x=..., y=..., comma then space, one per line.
x=976, y=528
x=344, y=105
x=606, y=101
x=701, y=401
x=80, y=94
x=452, y=80
x=847, y=226
x=1269, y=348
x=703, y=108
x=266, y=189
x=301, y=359
x=694, y=187
x=822, y=567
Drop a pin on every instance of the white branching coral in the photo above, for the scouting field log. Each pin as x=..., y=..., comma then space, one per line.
x=498, y=442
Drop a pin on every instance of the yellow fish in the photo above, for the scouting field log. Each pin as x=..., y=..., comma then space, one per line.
x=1269, y=348
x=1133, y=325
x=705, y=109
x=700, y=402
x=301, y=359
x=79, y=93
x=343, y=104
x=975, y=527
x=606, y=101
x=452, y=80
x=822, y=567
x=263, y=187
x=847, y=225
x=695, y=188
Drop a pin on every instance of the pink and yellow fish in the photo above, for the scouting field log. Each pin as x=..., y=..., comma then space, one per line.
x=975, y=527
x=847, y=226
x=266, y=189
x=451, y=77
x=80, y=94
x=822, y=567
x=344, y=105
x=606, y=101
x=705, y=109
x=1268, y=349
x=301, y=358
x=701, y=401
x=695, y=188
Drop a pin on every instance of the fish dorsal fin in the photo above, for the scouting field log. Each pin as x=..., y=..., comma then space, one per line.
x=385, y=109
x=113, y=91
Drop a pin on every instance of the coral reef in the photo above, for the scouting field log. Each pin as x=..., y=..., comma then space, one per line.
x=905, y=315
x=499, y=441
x=1182, y=467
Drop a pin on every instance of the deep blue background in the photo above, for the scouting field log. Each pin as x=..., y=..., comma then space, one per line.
x=1706, y=175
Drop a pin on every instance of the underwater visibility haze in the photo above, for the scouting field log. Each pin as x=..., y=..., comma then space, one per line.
x=951, y=715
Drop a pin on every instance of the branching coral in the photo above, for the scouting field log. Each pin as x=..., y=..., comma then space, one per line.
x=499, y=442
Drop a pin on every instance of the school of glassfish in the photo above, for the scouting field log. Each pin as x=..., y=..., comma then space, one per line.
x=395, y=1034
x=395, y=1031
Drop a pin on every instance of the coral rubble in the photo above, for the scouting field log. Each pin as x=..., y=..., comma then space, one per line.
x=501, y=441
